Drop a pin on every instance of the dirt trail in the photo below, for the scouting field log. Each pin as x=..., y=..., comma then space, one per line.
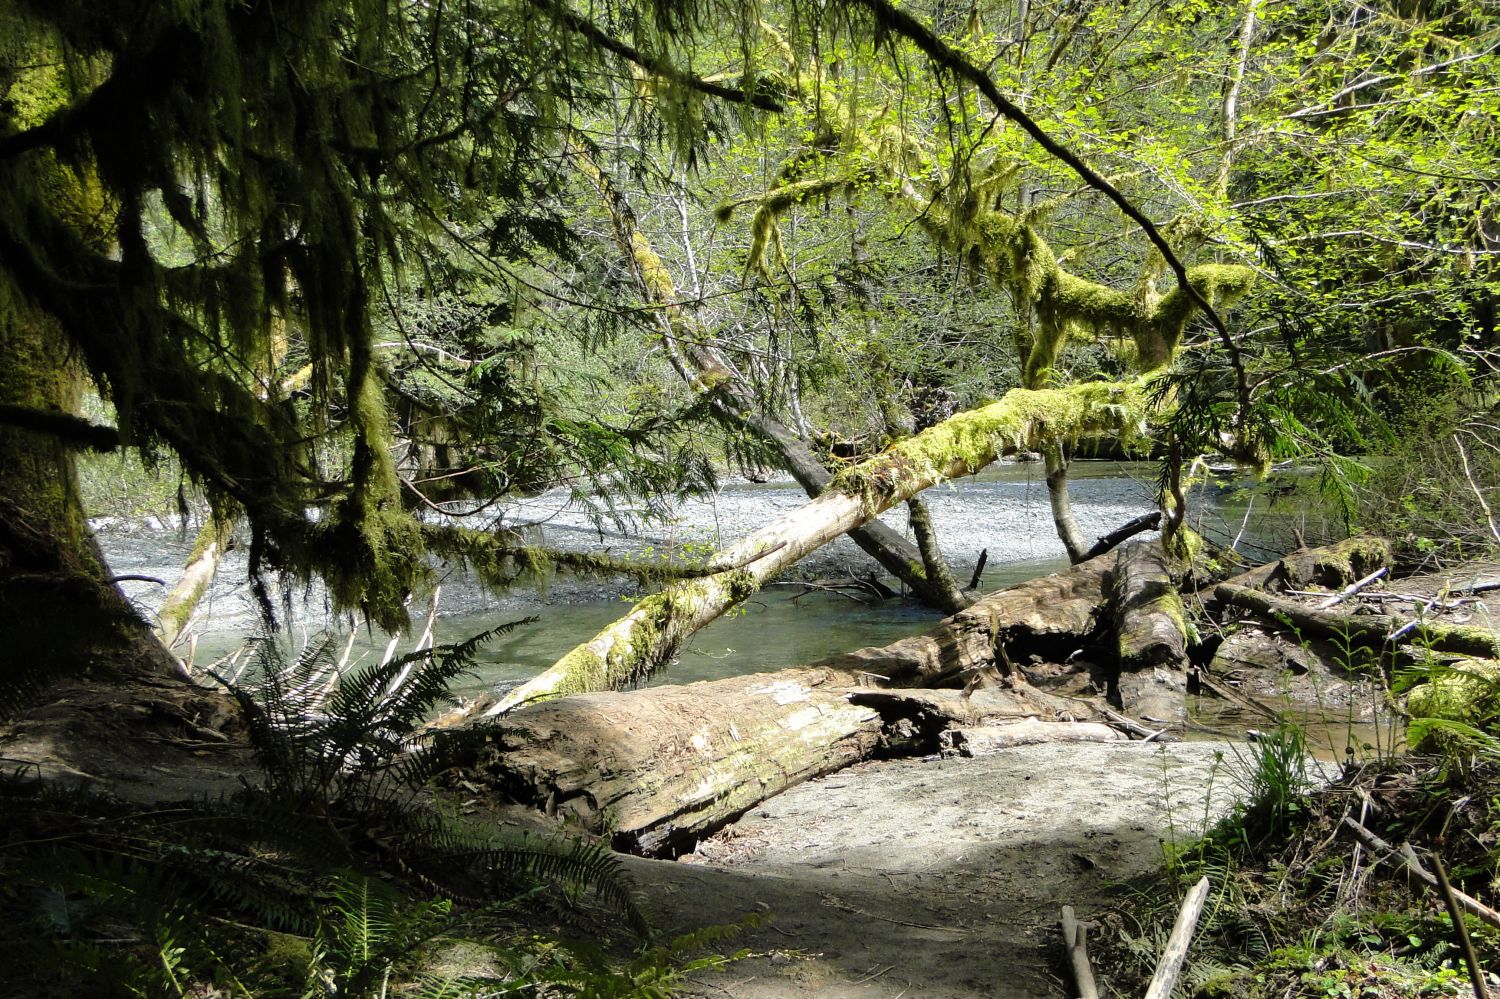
x=937, y=878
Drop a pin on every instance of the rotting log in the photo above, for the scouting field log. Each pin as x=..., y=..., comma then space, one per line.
x=1058, y=612
x=1151, y=632
x=649, y=635
x=1026, y=732
x=1331, y=566
x=1359, y=629
x=659, y=768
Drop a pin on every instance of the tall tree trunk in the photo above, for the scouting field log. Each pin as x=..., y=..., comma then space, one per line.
x=1062, y=503
x=60, y=612
x=648, y=636
x=689, y=348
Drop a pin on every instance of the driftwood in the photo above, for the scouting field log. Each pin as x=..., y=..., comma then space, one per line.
x=1170, y=965
x=1150, y=623
x=660, y=768
x=1026, y=732
x=1360, y=629
x=1408, y=857
x=1332, y=565
x=1058, y=612
x=1075, y=939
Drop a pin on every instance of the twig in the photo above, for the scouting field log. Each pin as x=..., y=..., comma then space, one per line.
x=1351, y=589
x=1075, y=939
x=1476, y=975
x=1408, y=857
x=1489, y=517
x=1175, y=953
x=135, y=577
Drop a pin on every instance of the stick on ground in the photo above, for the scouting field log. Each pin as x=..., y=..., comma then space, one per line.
x=1075, y=939
x=1170, y=965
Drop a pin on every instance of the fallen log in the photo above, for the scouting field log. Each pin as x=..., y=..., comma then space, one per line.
x=1360, y=629
x=1059, y=612
x=1332, y=565
x=657, y=769
x=1152, y=635
x=1027, y=732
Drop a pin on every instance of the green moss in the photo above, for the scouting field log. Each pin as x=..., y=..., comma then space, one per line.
x=965, y=443
x=1343, y=563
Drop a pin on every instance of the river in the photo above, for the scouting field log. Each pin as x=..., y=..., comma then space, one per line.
x=1003, y=510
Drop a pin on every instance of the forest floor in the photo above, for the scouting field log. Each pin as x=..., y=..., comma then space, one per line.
x=939, y=878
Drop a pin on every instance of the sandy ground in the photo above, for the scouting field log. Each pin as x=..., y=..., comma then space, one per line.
x=937, y=878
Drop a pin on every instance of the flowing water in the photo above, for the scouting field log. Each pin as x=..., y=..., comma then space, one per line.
x=1004, y=510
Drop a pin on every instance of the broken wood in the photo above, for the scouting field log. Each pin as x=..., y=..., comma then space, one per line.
x=1170, y=965
x=659, y=768
x=1075, y=940
x=1361, y=629
x=1061, y=611
x=1352, y=589
x=1329, y=566
x=1408, y=857
x=1151, y=629
x=1026, y=732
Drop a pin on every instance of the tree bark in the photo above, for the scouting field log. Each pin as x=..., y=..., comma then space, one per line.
x=1152, y=634
x=647, y=637
x=59, y=612
x=1359, y=629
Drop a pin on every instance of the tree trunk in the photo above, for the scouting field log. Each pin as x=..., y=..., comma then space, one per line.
x=1151, y=627
x=648, y=636
x=1062, y=504
x=59, y=611
x=659, y=768
x=197, y=575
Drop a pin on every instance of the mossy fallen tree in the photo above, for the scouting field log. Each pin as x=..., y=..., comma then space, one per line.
x=646, y=638
x=1375, y=630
